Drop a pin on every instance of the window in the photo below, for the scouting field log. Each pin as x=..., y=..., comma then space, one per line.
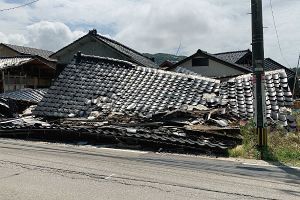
x=200, y=62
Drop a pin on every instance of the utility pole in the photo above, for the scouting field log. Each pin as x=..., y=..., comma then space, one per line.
x=259, y=75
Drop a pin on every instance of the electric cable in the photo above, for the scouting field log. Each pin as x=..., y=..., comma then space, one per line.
x=20, y=6
x=277, y=35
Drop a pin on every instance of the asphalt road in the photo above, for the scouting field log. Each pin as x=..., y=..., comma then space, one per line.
x=37, y=170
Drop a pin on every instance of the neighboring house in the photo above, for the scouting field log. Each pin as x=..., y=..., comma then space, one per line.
x=20, y=72
x=209, y=65
x=25, y=67
x=10, y=50
x=98, y=45
x=243, y=57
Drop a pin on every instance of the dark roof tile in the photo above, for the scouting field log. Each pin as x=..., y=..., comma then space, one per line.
x=233, y=56
x=27, y=94
x=112, y=85
x=30, y=51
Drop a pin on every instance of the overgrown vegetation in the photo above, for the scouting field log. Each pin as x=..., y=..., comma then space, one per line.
x=283, y=146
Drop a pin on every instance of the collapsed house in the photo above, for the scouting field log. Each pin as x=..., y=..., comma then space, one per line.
x=119, y=94
x=120, y=100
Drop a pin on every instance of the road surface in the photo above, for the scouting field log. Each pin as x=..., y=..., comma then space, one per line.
x=38, y=170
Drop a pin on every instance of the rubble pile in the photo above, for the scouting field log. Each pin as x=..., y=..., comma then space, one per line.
x=5, y=110
x=16, y=102
x=193, y=129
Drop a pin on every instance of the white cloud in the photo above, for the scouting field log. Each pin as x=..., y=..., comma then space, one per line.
x=157, y=25
x=13, y=39
x=50, y=35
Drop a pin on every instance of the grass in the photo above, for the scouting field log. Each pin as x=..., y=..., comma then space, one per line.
x=283, y=146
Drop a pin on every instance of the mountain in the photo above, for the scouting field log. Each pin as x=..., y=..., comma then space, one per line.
x=161, y=57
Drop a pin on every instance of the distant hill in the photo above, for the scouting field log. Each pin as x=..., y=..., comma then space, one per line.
x=161, y=57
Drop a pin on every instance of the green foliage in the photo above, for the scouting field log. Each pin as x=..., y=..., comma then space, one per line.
x=283, y=146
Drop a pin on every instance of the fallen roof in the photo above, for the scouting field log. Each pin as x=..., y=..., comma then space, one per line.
x=111, y=85
x=239, y=92
x=232, y=56
x=9, y=62
x=30, y=51
x=135, y=56
x=27, y=94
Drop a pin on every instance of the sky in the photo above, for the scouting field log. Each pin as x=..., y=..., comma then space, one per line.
x=154, y=26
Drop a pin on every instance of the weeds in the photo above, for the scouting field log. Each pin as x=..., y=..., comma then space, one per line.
x=283, y=146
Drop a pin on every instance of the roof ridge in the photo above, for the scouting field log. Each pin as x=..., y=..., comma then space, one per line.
x=9, y=45
x=232, y=52
x=18, y=56
x=118, y=43
x=80, y=56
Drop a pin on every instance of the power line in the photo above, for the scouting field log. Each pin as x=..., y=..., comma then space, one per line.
x=178, y=49
x=20, y=6
x=277, y=35
x=296, y=76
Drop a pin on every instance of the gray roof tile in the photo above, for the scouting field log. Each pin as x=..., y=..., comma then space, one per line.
x=119, y=86
x=233, y=56
x=27, y=94
x=136, y=56
x=30, y=51
x=13, y=61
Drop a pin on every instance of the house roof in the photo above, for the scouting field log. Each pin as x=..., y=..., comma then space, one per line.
x=10, y=62
x=215, y=58
x=27, y=94
x=232, y=56
x=271, y=64
x=29, y=51
x=122, y=49
x=113, y=85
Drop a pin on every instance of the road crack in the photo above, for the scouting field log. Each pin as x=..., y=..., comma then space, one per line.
x=119, y=179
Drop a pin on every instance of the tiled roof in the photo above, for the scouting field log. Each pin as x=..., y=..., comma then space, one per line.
x=30, y=51
x=133, y=55
x=111, y=85
x=213, y=57
x=14, y=61
x=238, y=91
x=136, y=56
x=8, y=62
x=271, y=65
x=233, y=56
x=27, y=94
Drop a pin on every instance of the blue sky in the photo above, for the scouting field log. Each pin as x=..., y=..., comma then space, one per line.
x=153, y=25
